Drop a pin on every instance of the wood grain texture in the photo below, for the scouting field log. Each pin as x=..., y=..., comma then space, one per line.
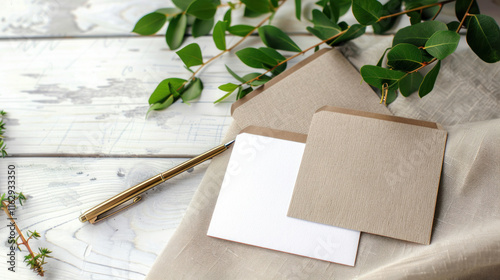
x=122, y=247
x=89, y=97
x=83, y=18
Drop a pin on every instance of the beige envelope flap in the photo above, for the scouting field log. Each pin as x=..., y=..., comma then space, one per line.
x=288, y=102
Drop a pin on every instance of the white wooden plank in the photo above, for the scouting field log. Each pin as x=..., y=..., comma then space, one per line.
x=102, y=17
x=89, y=96
x=60, y=189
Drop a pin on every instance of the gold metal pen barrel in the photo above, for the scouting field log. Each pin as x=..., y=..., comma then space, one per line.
x=132, y=195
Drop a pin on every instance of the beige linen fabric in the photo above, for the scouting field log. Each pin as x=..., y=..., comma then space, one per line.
x=466, y=235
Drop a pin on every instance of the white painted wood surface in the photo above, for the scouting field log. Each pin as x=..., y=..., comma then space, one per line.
x=122, y=247
x=75, y=84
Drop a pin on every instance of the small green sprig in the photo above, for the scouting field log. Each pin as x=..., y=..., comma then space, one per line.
x=34, y=260
x=3, y=147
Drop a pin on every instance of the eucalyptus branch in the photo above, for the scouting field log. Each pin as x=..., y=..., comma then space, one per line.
x=193, y=75
x=414, y=47
x=423, y=65
x=34, y=260
x=415, y=9
x=465, y=16
x=3, y=147
x=294, y=56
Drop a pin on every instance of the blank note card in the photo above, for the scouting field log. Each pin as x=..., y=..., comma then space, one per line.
x=255, y=196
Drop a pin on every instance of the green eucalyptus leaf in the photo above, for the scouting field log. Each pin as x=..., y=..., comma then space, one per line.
x=378, y=76
x=169, y=12
x=429, y=80
x=244, y=92
x=353, y=32
x=340, y=7
x=379, y=63
x=162, y=91
x=190, y=19
x=404, y=57
x=219, y=35
x=324, y=28
x=202, y=9
x=483, y=37
x=202, y=27
x=191, y=55
x=229, y=87
x=461, y=7
x=389, y=8
x=240, y=30
x=182, y=4
x=453, y=26
x=324, y=25
x=235, y=75
x=274, y=38
x=251, y=14
x=150, y=24
x=415, y=17
x=161, y=105
x=225, y=96
x=259, y=6
x=442, y=43
x=298, y=8
x=366, y=12
x=193, y=90
x=331, y=12
x=278, y=57
x=410, y=83
x=275, y=3
x=322, y=3
x=343, y=25
x=227, y=17
x=255, y=58
x=175, y=31
x=419, y=33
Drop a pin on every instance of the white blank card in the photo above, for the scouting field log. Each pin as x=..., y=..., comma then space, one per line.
x=254, y=199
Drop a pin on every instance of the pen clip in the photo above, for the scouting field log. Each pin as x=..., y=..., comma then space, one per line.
x=99, y=218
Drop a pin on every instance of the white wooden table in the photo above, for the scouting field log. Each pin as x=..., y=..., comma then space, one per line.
x=75, y=84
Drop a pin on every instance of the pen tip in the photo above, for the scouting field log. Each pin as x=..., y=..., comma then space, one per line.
x=228, y=144
x=82, y=218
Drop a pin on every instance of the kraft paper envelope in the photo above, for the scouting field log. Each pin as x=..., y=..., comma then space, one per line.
x=255, y=194
x=287, y=102
x=370, y=172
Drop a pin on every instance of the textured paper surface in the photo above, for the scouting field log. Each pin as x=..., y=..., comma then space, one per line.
x=324, y=78
x=254, y=198
x=368, y=172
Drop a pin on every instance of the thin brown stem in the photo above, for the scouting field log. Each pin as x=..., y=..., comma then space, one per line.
x=24, y=241
x=415, y=9
x=465, y=16
x=295, y=55
x=423, y=65
x=230, y=48
x=439, y=11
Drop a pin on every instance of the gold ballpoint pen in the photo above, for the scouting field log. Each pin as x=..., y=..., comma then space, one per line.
x=132, y=195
